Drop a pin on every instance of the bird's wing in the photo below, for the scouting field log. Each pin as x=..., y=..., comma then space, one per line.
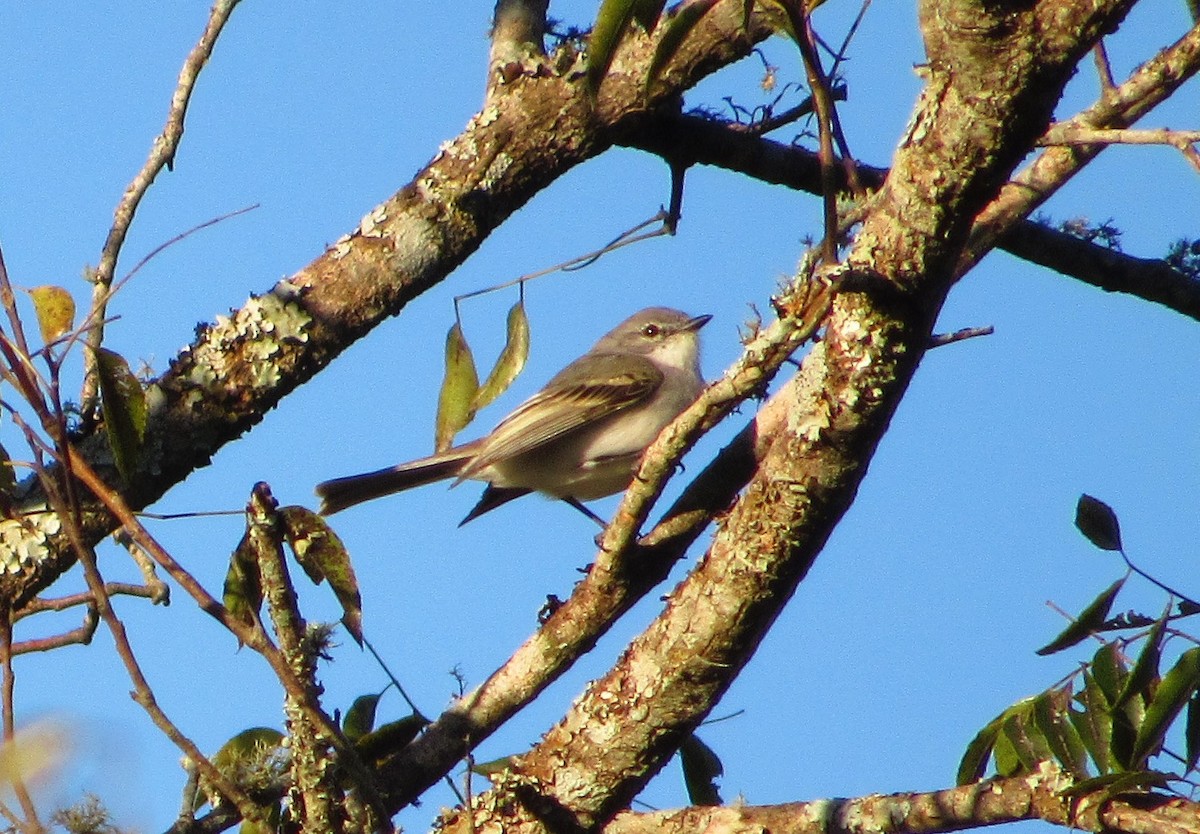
x=577, y=397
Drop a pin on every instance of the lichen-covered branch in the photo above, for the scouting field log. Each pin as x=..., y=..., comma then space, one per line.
x=1016, y=799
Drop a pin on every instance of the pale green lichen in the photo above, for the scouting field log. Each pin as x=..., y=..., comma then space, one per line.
x=370, y=225
x=248, y=341
x=23, y=542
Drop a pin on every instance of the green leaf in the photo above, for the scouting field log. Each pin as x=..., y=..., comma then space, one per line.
x=1191, y=734
x=1098, y=522
x=390, y=738
x=701, y=768
x=1008, y=763
x=612, y=23
x=647, y=12
x=123, y=402
x=1124, y=731
x=1052, y=718
x=974, y=761
x=677, y=29
x=1172, y=696
x=1028, y=742
x=494, y=767
x=243, y=594
x=1145, y=669
x=455, y=401
x=511, y=360
x=360, y=718
x=8, y=476
x=55, y=309
x=1094, y=722
x=1089, y=619
x=1109, y=671
x=323, y=557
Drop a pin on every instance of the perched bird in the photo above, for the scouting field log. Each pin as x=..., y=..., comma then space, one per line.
x=577, y=439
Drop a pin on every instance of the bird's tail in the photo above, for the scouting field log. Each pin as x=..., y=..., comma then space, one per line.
x=340, y=493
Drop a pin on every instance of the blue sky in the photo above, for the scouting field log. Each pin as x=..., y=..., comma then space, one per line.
x=919, y=621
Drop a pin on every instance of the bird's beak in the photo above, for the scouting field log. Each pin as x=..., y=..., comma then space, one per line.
x=696, y=322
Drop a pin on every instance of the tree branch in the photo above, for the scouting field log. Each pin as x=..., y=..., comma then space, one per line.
x=1034, y=797
x=725, y=144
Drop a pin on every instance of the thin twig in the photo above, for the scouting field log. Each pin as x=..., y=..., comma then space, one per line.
x=391, y=677
x=822, y=100
x=626, y=238
x=81, y=636
x=1164, y=586
x=142, y=693
x=39, y=605
x=1103, y=68
x=162, y=155
x=1077, y=134
x=31, y=822
x=941, y=339
x=158, y=591
x=197, y=514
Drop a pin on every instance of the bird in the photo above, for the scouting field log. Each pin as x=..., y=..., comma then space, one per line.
x=579, y=438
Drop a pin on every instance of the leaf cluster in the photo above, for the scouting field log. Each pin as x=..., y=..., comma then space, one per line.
x=319, y=552
x=1111, y=718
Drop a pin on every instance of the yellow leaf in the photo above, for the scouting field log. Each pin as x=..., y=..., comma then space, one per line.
x=55, y=310
x=511, y=360
x=456, y=400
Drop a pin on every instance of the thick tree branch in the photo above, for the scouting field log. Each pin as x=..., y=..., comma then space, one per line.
x=996, y=801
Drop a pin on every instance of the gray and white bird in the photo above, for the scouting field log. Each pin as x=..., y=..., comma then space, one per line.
x=580, y=437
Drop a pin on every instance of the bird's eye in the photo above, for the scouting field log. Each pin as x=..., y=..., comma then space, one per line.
x=650, y=330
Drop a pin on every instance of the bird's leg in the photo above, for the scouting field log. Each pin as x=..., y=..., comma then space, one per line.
x=577, y=504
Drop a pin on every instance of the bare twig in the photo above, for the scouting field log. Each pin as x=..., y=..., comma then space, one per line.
x=64, y=503
x=81, y=636
x=1081, y=134
x=818, y=83
x=162, y=155
x=941, y=339
x=626, y=238
x=31, y=822
x=1149, y=85
x=38, y=605
x=1103, y=67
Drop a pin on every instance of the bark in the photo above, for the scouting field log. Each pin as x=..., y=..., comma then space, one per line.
x=1033, y=797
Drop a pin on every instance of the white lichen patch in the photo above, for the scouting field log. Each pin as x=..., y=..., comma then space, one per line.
x=249, y=341
x=341, y=247
x=370, y=225
x=23, y=542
